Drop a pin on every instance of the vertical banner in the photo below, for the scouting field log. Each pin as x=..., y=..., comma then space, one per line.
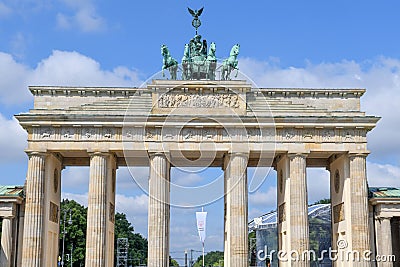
x=201, y=224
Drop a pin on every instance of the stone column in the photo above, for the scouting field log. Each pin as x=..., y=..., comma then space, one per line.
x=360, y=238
x=299, y=229
x=6, y=242
x=32, y=254
x=396, y=240
x=97, y=212
x=159, y=211
x=236, y=225
x=385, y=248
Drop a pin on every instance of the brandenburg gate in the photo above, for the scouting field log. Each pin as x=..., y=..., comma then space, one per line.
x=167, y=124
x=197, y=121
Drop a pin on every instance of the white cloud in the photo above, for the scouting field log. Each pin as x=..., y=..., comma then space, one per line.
x=72, y=68
x=318, y=184
x=80, y=198
x=13, y=90
x=5, y=11
x=136, y=205
x=135, y=208
x=264, y=199
x=60, y=68
x=186, y=179
x=380, y=175
x=18, y=44
x=128, y=178
x=381, y=78
x=85, y=17
x=12, y=141
x=75, y=179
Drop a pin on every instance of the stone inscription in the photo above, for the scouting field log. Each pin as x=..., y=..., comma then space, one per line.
x=112, y=213
x=198, y=101
x=338, y=213
x=282, y=213
x=53, y=213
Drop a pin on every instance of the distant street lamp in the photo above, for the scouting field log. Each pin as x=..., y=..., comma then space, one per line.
x=64, y=232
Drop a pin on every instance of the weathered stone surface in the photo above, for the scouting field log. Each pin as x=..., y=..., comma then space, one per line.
x=103, y=127
x=236, y=218
x=159, y=201
x=6, y=242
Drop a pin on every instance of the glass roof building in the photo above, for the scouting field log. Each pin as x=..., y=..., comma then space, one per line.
x=266, y=237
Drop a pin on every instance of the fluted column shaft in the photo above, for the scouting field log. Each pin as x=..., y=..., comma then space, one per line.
x=97, y=212
x=396, y=241
x=32, y=254
x=359, y=206
x=385, y=246
x=159, y=211
x=6, y=242
x=299, y=229
x=237, y=211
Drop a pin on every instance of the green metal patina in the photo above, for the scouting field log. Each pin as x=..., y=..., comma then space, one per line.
x=230, y=63
x=11, y=191
x=169, y=62
x=197, y=63
x=384, y=192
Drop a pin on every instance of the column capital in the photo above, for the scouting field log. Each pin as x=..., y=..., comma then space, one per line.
x=8, y=217
x=31, y=153
x=228, y=156
x=152, y=154
x=99, y=153
x=303, y=155
x=354, y=154
x=238, y=154
x=103, y=154
x=383, y=218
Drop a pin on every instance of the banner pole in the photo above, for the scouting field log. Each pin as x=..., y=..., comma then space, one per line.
x=202, y=210
x=203, y=255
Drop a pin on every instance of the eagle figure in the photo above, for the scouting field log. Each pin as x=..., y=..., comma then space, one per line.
x=196, y=13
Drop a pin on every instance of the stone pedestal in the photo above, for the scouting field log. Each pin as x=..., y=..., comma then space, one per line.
x=236, y=213
x=6, y=242
x=32, y=253
x=159, y=211
x=360, y=240
x=99, y=243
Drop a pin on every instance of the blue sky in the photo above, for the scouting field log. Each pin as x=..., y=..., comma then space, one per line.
x=326, y=44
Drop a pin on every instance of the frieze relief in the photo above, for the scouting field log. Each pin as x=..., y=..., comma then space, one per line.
x=209, y=134
x=47, y=133
x=67, y=133
x=89, y=133
x=155, y=134
x=187, y=100
x=328, y=135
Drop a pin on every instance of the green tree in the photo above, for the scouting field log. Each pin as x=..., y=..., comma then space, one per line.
x=75, y=231
x=137, y=244
x=213, y=258
x=173, y=262
x=323, y=201
x=75, y=234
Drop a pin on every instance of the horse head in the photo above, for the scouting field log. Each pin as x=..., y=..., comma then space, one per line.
x=235, y=50
x=164, y=50
x=212, y=49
